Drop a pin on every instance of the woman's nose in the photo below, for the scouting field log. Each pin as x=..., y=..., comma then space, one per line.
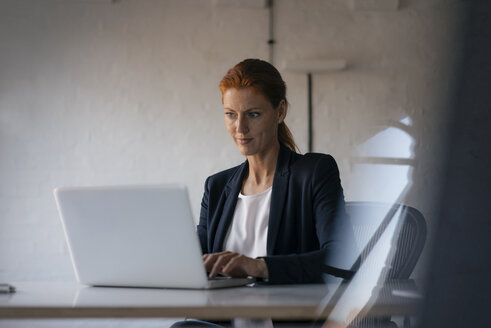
x=242, y=125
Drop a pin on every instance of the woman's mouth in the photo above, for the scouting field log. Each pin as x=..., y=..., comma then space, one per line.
x=243, y=141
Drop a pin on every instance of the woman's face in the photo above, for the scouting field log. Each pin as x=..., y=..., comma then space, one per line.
x=252, y=121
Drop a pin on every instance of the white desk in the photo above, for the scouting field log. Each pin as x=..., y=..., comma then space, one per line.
x=67, y=300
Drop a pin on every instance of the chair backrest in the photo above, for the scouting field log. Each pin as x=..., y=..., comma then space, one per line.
x=366, y=217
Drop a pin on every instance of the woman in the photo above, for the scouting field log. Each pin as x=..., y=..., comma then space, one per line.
x=279, y=215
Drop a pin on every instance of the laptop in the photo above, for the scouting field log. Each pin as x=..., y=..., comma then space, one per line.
x=134, y=236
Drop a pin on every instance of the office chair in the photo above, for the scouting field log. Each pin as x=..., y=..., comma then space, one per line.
x=365, y=218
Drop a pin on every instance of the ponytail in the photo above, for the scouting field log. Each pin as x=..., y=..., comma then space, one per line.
x=285, y=137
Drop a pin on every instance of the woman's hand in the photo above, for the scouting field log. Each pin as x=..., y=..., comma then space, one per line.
x=234, y=265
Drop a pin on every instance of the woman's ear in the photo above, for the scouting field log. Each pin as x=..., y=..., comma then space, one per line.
x=282, y=109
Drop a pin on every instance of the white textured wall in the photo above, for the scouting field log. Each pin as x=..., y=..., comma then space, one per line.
x=95, y=93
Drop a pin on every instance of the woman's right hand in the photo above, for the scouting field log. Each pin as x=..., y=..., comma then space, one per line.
x=234, y=265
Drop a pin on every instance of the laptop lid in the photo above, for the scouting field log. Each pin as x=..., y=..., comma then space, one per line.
x=135, y=236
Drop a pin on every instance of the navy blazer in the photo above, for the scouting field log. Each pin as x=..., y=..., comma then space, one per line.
x=305, y=221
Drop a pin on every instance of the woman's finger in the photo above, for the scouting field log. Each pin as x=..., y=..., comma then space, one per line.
x=237, y=266
x=210, y=259
x=220, y=262
x=232, y=263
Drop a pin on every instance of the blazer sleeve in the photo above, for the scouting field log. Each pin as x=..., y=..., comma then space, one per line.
x=203, y=218
x=328, y=214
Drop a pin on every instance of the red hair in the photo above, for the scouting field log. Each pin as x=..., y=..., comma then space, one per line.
x=264, y=78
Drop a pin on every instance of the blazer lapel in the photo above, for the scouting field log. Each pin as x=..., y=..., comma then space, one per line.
x=280, y=188
x=231, y=193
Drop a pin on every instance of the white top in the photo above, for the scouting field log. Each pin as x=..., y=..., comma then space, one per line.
x=248, y=232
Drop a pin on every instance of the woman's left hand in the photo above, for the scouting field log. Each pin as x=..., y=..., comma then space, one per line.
x=234, y=265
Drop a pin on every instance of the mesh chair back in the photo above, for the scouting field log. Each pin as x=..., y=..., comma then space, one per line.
x=366, y=217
